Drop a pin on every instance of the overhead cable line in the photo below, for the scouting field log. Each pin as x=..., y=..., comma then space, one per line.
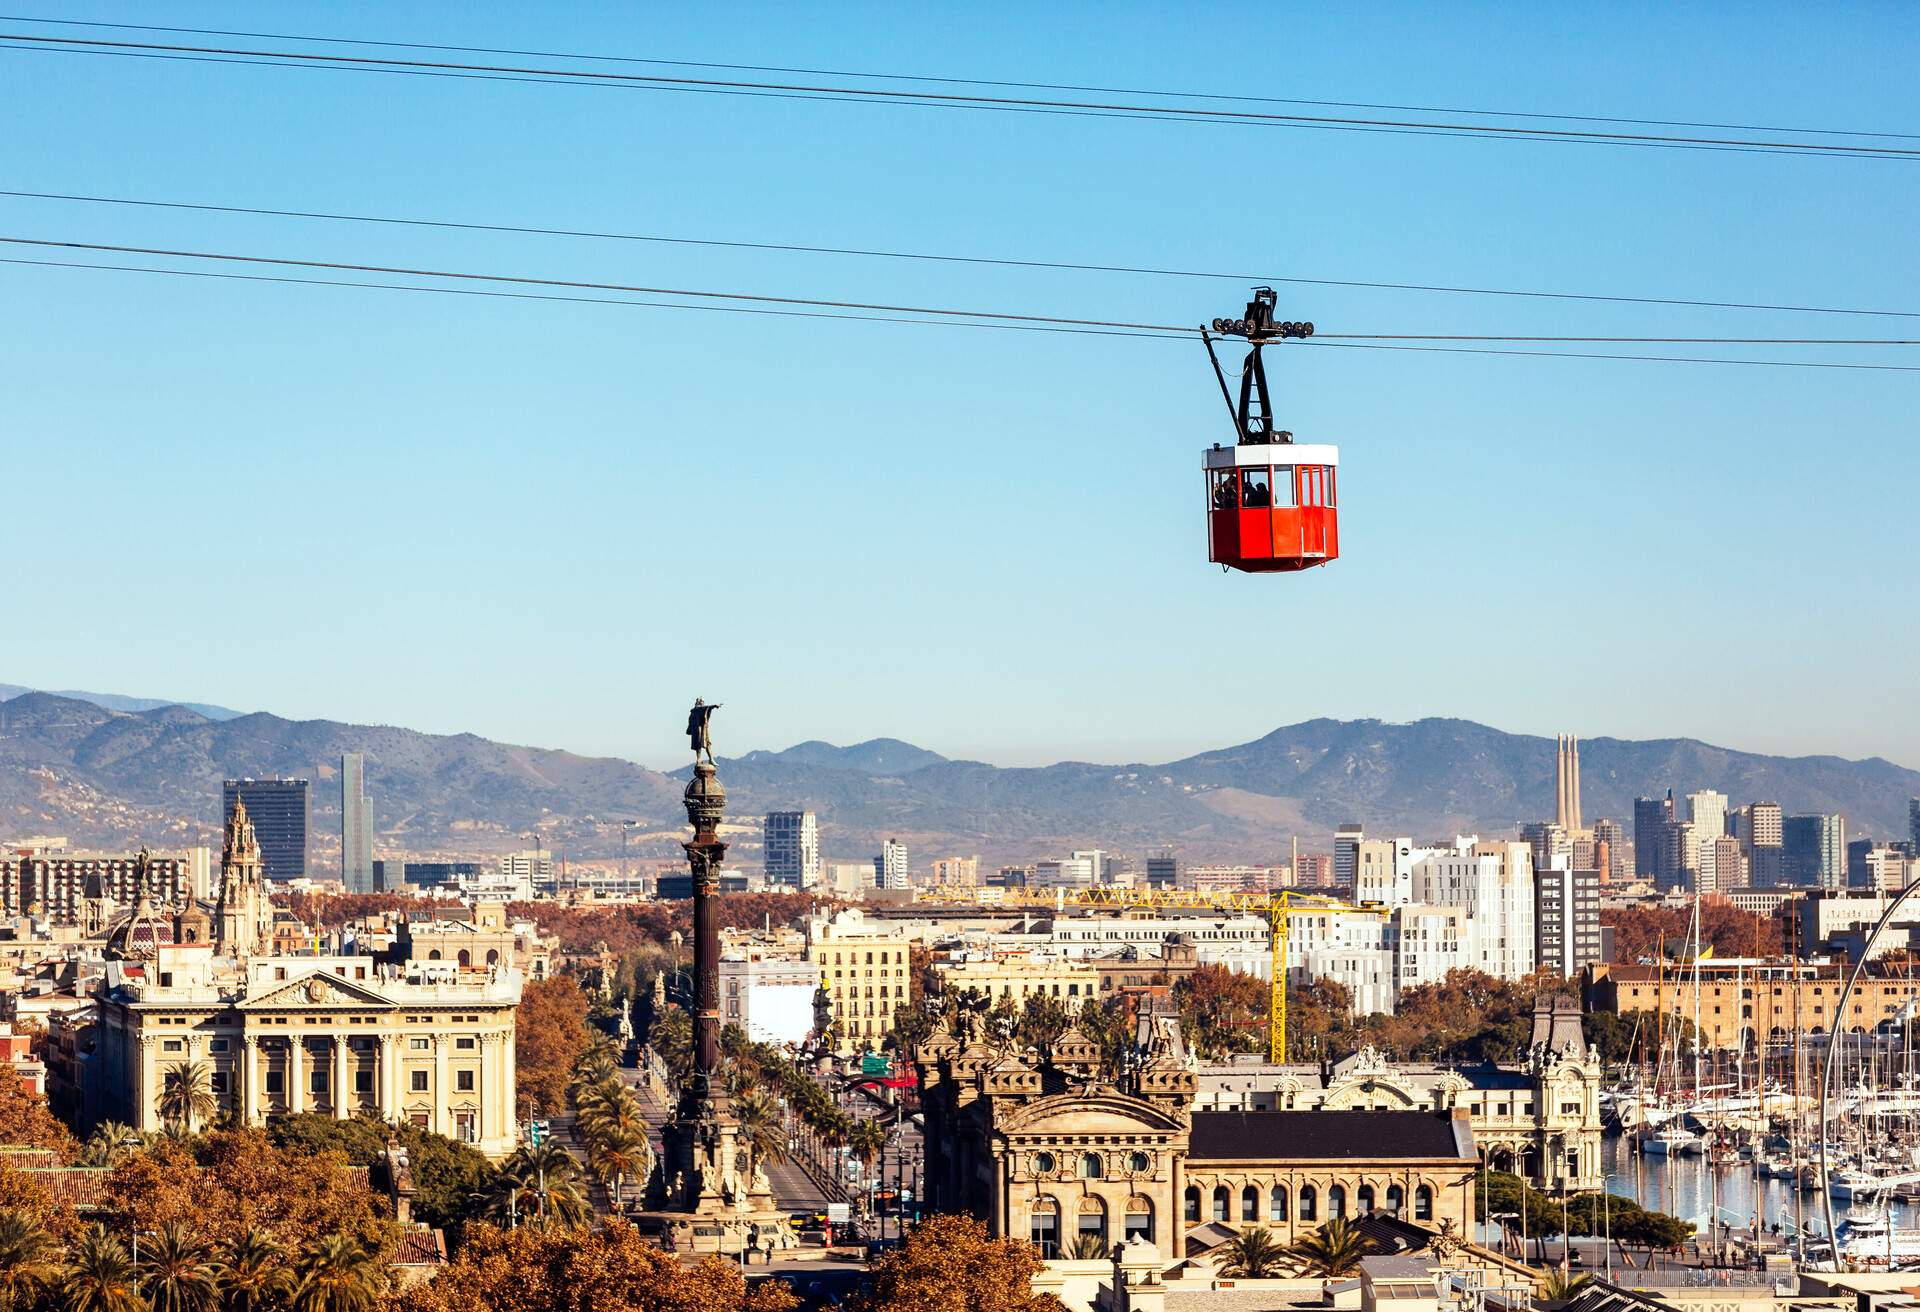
x=792, y=248
x=929, y=323
x=1014, y=104
x=949, y=81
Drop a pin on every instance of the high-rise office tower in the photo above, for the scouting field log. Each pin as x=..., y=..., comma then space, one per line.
x=890, y=867
x=1758, y=827
x=1547, y=841
x=1814, y=850
x=1566, y=811
x=1619, y=847
x=792, y=842
x=280, y=811
x=1566, y=920
x=1708, y=811
x=1913, y=824
x=1650, y=816
x=1346, y=854
x=1163, y=871
x=356, y=826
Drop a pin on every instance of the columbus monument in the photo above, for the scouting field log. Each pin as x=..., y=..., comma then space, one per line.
x=707, y=1194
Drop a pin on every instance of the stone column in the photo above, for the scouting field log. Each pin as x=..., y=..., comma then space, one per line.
x=509, y=1077
x=296, y=1074
x=249, y=1080
x=144, y=1115
x=338, y=1084
x=486, y=1085
x=383, y=1076
x=440, y=1089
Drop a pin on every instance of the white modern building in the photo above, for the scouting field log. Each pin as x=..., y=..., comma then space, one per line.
x=768, y=996
x=890, y=867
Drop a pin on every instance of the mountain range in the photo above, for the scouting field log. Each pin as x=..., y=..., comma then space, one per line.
x=106, y=776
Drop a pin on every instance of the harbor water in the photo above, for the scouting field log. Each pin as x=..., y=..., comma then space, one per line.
x=1693, y=1190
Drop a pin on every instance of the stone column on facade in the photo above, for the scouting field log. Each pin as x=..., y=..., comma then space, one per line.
x=1176, y=1221
x=339, y=1083
x=296, y=1075
x=144, y=1117
x=383, y=1054
x=509, y=1077
x=248, y=1078
x=484, y=1085
x=440, y=1083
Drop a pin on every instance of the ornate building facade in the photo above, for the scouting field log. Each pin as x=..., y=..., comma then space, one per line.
x=1071, y=1145
x=186, y=986
x=1540, y=1119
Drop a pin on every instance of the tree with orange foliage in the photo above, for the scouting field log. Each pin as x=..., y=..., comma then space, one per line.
x=25, y=1121
x=326, y=910
x=610, y=1269
x=1223, y=1011
x=948, y=1264
x=227, y=1183
x=550, y=1033
x=1644, y=931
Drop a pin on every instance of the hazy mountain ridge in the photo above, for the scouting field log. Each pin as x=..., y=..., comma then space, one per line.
x=107, y=777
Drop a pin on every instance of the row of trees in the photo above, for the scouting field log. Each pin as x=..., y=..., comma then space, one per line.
x=1520, y=1208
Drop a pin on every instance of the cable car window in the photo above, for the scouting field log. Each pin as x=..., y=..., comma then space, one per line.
x=1256, y=489
x=1283, y=486
x=1332, y=484
x=1223, y=490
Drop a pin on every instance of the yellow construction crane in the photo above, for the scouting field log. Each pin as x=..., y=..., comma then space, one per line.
x=1279, y=906
x=1283, y=907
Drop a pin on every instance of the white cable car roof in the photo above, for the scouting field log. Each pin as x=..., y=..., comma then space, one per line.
x=1275, y=453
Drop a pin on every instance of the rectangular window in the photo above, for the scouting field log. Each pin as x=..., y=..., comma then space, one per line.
x=317, y=1081
x=465, y=1043
x=417, y=1081
x=216, y=1045
x=419, y=1045
x=466, y=1127
x=420, y=1120
x=171, y=1045
x=217, y=1081
x=463, y=1081
x=276, y=1083
x=363, y=1081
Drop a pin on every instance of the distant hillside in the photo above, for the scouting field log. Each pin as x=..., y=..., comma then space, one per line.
x=103, y=776
x=115, y=702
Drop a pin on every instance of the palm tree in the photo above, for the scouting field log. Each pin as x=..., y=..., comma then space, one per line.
x=1562, y=1285
x=110, y=1144
x=100, y=1277
x=186, y=1094
x=255, y=1274
x=539, y=1185
x=1334, y=1250
x=620, y=1154
x=1088, y=1247
x=1253, y=1254
x=180, y=1272
x=26, y=1258
x=335, y=1274
x=763, y=1127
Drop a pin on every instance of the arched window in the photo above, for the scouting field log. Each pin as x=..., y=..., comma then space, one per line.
x=493, y=956
x=1192, y=1205
x=1277, y=1203
x=1044, y=1227
x=1220, y=1200
x=1249, y=1204
x=1309, y=1203
x=1423, y=1203
x=1363, y=1199
x=1139, y=1222
x=466, y=958
x=1093, y=1219
x=1090, y=1166
x=1396, y=1199
x=1336, y=1202
x=434, y=955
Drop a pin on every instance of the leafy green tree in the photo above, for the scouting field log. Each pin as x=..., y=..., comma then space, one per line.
x=1332, y=1251
x=1562, y=1286
x=1107, y=1024
x=1089, y=1247
x=1044, y=1021
x=181, y=1275
x=446, y=1174
x=1253, y=1254
x=100, y=1276
x=335, y=1274
x=27, y=1263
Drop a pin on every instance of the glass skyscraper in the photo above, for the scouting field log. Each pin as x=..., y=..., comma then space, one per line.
x=281, y=812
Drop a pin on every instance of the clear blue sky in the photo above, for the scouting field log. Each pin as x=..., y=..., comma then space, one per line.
x=537, y=522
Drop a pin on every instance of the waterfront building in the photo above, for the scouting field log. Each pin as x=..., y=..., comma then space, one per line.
x=282, y=815
x=1540, y=1118
x=791, y=843
x=1058, y=1149
x=1743, y=1002
x=356, y=826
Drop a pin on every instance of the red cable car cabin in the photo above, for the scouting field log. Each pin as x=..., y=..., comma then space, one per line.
x=1272, y=506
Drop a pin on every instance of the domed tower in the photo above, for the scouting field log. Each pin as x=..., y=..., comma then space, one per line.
x=246, y=913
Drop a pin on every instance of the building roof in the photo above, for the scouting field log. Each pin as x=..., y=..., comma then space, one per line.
x=1326, y=1136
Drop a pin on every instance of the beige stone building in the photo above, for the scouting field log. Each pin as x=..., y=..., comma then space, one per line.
x=1744, y=1003
x=1020, y=975
x=200, y=989
x=864, y=967
x=486, y=938
x=1064, y=1153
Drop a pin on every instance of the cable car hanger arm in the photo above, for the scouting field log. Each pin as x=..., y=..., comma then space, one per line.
x=1226, y=393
